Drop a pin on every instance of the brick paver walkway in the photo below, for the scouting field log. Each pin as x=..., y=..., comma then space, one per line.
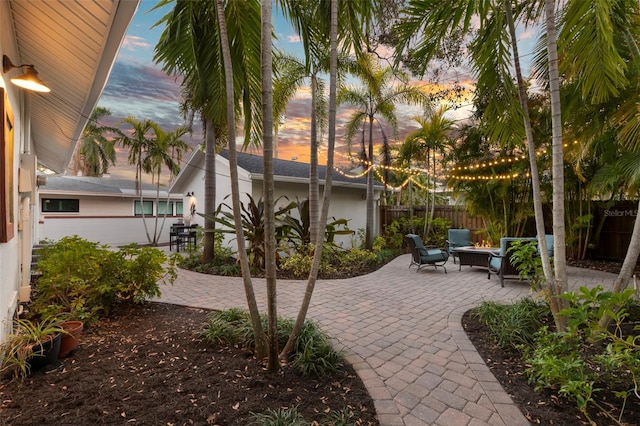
x=402, y=332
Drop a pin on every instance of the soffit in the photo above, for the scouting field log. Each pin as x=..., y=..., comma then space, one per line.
x=73, y=45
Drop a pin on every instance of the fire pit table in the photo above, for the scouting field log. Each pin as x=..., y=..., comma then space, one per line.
x=474, y=256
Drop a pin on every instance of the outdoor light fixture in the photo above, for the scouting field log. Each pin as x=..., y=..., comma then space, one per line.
x=29, y=80
x=190, y=194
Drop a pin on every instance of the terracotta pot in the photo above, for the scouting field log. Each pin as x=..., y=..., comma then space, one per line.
x=70, y=341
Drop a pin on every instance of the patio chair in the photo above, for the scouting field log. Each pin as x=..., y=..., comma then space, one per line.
x=421, y=255
x=458, y=238
x=500, y=264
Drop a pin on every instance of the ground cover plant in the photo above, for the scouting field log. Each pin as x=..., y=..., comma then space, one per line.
x=587, y=375
x=149, y=365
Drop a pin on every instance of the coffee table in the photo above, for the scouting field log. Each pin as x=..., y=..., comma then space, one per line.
x=474, y=256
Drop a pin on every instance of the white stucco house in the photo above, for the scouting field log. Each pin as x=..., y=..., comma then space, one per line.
x=106, y=210
x=72, y=45
x=348, y=194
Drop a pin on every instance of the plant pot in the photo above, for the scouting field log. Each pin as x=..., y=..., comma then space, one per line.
x=45, y=353
x=70, y=340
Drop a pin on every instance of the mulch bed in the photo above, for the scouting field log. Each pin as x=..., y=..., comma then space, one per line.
x=545, y=407
x=145, y=366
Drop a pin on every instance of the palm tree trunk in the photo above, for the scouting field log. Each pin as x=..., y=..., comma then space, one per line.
x=269, y=199
x=425, y=227
x=314, y=190
x=326, y=196
x=208, y=250
x=369, y=224
x=559, y=234
x=260, y=337
x=533, y=164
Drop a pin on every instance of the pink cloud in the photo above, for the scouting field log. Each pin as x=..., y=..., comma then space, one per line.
x=133, y=42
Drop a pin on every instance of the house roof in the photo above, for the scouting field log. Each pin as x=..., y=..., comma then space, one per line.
x=104, y=186
x=73, y=46
x=284, y=171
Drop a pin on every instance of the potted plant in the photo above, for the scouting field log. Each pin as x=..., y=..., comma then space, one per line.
x=69, y=341
x=31, y=346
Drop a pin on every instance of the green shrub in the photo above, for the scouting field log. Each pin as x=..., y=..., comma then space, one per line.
x=312, y=355
x=398, y=228
x=514, y=325
x=223, y=262
x=524, y=256
x=87, y=281
x=299, y=262
x=587, y=358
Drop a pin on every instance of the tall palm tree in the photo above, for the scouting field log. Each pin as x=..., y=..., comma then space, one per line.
x=150, y=150
x=432, y=136
x=354, y=17
x=250, y=67
x=165, y=152
x=268, y=191
x=375, y=100
x=190, y=47
x=291, y=75
x=96, y=152
x=585, y=38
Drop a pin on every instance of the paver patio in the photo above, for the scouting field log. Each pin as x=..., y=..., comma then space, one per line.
x=402, y=332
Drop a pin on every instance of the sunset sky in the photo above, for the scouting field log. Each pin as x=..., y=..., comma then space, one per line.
x=138, y=87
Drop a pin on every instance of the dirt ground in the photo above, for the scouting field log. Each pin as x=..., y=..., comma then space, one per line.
x=544, y=408
x=146, y=367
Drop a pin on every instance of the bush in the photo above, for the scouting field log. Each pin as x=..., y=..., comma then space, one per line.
x=312, y=355
x=396, y=231
x=586, y=359
x=515, y=325
x=223, y=262
x=87, y=281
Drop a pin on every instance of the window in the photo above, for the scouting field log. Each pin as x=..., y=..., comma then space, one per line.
x=179, y=208
x=60, y=205
x=165, y=207
x=147, y=205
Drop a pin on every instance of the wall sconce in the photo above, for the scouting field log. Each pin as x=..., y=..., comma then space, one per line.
x=29, y=80
x=190, y=194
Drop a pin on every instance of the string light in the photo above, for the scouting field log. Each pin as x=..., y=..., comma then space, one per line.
x=416, y=171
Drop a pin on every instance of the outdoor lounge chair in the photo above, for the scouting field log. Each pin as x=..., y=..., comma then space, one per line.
x=458, y=238
x=421, y=255
x=500, y=264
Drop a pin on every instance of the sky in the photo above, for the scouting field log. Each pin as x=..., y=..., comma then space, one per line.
x=138, y=87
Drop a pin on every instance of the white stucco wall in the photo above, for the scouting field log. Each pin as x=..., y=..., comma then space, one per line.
x=106, y=220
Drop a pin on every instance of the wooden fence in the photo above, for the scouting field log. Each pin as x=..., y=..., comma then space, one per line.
x=615, y=236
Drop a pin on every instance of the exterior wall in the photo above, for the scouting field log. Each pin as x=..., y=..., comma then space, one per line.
x=10, y=251
x=107, y=220
x=113, y=230
x=346, y=203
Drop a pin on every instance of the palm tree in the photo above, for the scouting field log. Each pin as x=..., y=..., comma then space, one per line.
x=431, y=137
x=375, y=100
x=151, y=149
x=190, y=46
x=355, y=15
x=96, y=152
x=249, y=68
x=291, y=74
x=165, y=151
